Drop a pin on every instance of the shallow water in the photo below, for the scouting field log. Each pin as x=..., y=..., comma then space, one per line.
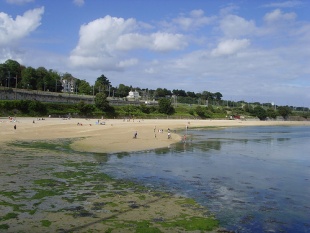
x=254, y=179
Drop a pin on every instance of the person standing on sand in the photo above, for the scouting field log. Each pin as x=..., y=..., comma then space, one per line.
x=15, y=127
x=135, y=134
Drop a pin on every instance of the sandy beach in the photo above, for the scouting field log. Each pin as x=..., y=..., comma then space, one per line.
x=114, y=135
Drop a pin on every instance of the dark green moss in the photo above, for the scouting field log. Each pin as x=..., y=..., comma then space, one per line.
x=193, y=223
x=46, y=223
x=45, y=193
x=4, y=226
x=16, y=207
x=9, y=216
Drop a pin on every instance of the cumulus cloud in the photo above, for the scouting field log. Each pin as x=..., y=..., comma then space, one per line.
x=12, y=30
x=229, y=47
x=110, y=37
x=196, y=19
x=278, y=15
x=166, y=42
x=235, y=26
x=128, y=63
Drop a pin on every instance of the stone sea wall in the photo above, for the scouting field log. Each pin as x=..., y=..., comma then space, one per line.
x=52, y=97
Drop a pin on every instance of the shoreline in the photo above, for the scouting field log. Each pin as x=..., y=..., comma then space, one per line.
x=115, y=135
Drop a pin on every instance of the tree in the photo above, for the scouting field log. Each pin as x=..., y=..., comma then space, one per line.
x=191, y=94
x=83, y=87
x=29, y=80
x=13, y=68
x=218, y=96
x=3, y=74
x=271, y=113
x=55, y=82
x=102, y=84
x=164, y=106
x=101, y=101
x=160, y=92
x=179, y=92
x=123, y=90
x=284, y=111
x=260, y=113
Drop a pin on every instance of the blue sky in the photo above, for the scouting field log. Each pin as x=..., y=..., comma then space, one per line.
x=252, y=50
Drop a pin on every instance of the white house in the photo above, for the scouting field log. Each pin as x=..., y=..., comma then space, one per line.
x=68, y=85
x=133, y=95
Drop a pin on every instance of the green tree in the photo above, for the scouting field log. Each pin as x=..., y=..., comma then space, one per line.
x=284, y=111
x=162, y=92
x=271, y=113
x=102, y=84
x=54, y=82
x=14, y=69
x=165, y=106
x=179, y=93
x=122, y=90
x=101, y=101
x=83, y=87
x=3, y=74
x=29, y=80
x=260, y=113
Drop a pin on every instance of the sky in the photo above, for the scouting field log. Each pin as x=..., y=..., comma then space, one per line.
x=251, y=50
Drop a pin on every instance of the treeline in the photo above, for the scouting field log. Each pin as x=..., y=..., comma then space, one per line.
x=164, y=109
x=15, y=75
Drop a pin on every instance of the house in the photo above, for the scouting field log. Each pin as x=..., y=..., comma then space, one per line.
x=68, y=85
x=133, y=95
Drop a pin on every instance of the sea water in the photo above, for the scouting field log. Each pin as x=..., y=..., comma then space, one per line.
x=254, y=179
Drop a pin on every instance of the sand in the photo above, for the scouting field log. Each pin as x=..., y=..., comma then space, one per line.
x=114, y=135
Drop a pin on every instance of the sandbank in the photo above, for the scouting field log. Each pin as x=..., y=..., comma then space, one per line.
x=114, y=135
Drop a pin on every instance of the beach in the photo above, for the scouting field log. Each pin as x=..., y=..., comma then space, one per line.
x=51, y=181
x=114, y=135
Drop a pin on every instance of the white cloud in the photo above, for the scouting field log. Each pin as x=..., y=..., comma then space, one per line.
x=278, y=16
x=110, y=37
x=196, y=19
x=128, y=63
x=166, y=42
x=13, y=30
x=79, y=2
x=19, y=2
x=229, y=47
x=286, y=4
x=235, y=26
